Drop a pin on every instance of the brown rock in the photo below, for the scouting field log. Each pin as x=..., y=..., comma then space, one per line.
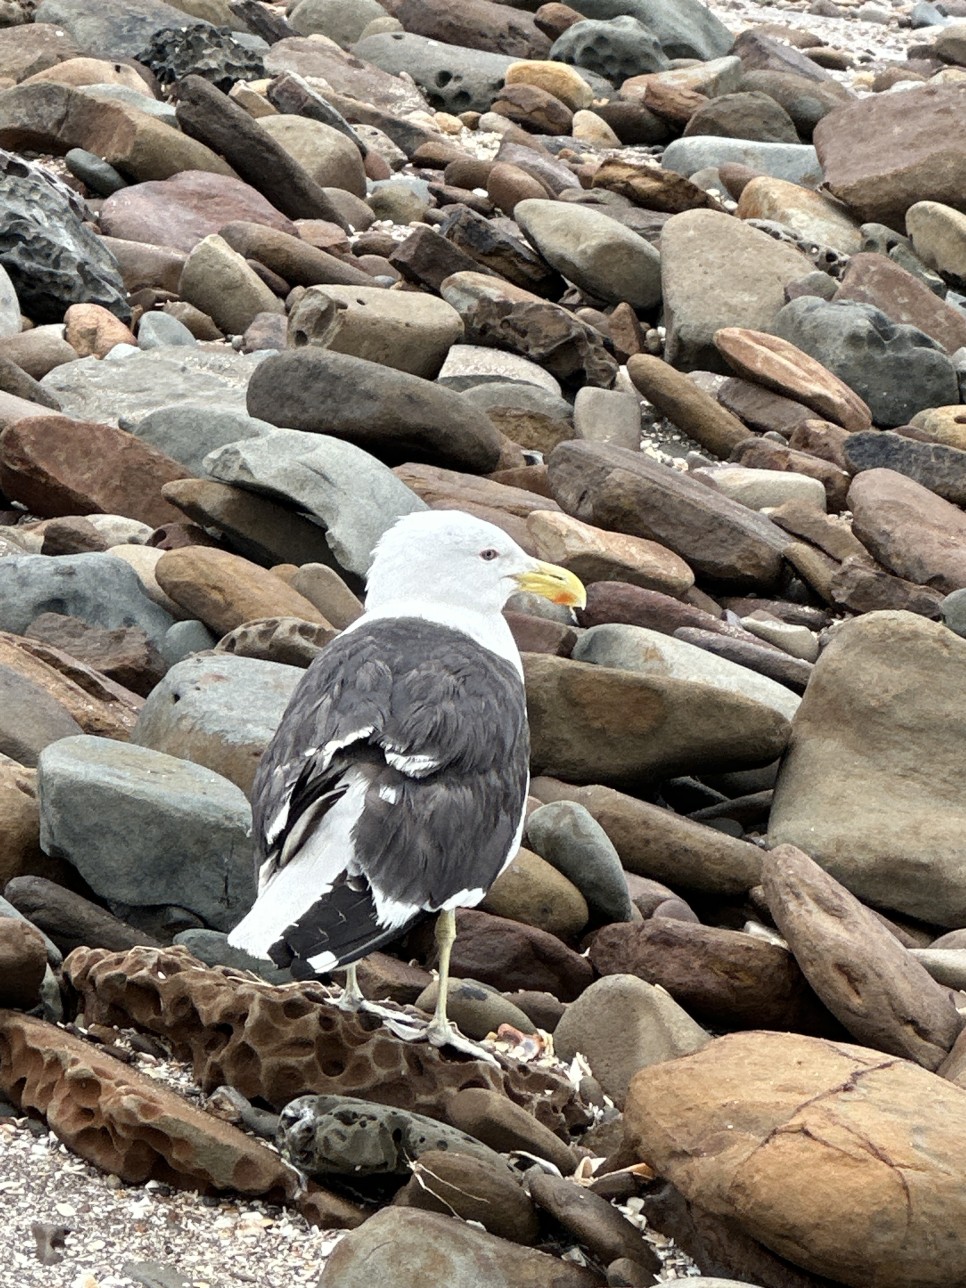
x=504, y=1126
x=540, y=635
x=124, y=655
x=223, y=590
x=672, y=102
x=29, y=48
x=880, y=993
x=532, y=891
x=47, y=117
x=659, y=844
x=831, y=535
x=695, y=412
x=44, y=1067
x=450, y=489
x=476, y=24
x=723, y=978
x=19, y=822
x=23, y=961
x=509, y=954
x=592, y=1221
x=292, y=258
x=635, y=606
x=864, y=588
x=910, y=531
x=457, y=1184
x=876, y=280
x=93, y=331
x=58, y=466
x=288, y=640
x=596, y=555
x=507, y=185
x=624, y=728
x=761, y=409
x=69, y=919
x=145, y=267
x=554, y=19
x=182, y=210
x=810, y=214
x=534, y=109
x=653, y=187
x=822, y=439
x=779, y=365
x=216, y=1018
x=620, y=490
x=763, y=454
x=883, y=153
x=730, y=1124
x=37, y=351
x=793, y=672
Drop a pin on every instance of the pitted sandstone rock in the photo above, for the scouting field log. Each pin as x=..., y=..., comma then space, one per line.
x=278, y=1043
x=124, y=1122
x=321, y=1135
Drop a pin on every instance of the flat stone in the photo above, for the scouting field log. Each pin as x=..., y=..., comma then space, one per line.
x=592, y=1221
x=717, y=272
x=763, y=454
x=57, y=466
x=905, y=298
x=764, y=489
x=469, y=365
x=666, y=726
x=793, y=162
x=634, y=648
x=806, y=212
x=144, y=828
x=478, y=24
x=910, y=531
x=867, y=979
x=397, y=415
x=350, y=76
x=218, y=711
x=596, y=555
x=454, y=78
x=188, y=431
x=488, y=1193
x=892, y=836
x=940, y=468
x=622, y=491
x=884, y=153
x=793, y=673
x=682, y=402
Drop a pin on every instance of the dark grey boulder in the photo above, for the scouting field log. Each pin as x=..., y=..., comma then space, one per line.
x=616, y=48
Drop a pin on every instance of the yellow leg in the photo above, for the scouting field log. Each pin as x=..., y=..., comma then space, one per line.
x=442, y=1031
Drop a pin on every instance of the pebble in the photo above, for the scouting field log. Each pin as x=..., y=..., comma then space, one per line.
x=671, y=293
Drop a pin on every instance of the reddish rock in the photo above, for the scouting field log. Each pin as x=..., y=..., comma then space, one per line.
x=57, y=466
x=911, y=531
x=763, y=454
x=93, y=331
x=23, y=960
x=509, y=955
x=475, y=24
x=875, y=279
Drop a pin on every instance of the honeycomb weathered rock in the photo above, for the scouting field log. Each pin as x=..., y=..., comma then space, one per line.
x=123, y=1122
x=276, y=1043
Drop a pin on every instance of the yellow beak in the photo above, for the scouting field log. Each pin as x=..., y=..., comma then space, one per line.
x=554, y=583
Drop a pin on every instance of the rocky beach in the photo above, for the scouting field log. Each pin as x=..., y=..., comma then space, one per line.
x=675, y=295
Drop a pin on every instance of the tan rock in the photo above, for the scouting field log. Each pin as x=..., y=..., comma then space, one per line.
x=23, y=961
x=531, y=890
x=910, y=530
x=938, y=235
x=92, y=71
x=224, y=590
x=30, y=47
x=217, y=280
x=781, y=366
x=560, y=79
x=653, y=187
x=903, y=297
x=588, y=127
x=331, y=158
x=597, y=555
x=806, y=212
x=689, y=407
x=19, y=821
x=943, y=424
x=875, y=1146
x=94, y=331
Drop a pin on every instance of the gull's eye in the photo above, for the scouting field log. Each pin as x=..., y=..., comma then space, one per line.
x=489, y=553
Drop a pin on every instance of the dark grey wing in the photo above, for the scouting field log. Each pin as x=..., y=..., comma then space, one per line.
x=435, y=726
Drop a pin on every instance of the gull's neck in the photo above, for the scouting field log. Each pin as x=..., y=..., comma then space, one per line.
x=488, y=628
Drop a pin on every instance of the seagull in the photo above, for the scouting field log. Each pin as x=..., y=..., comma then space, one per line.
x=396, y=783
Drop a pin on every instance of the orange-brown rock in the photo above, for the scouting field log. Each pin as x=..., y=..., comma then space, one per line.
x=125, y=1122
x=843, y=1160
x=597, y=555
x=442, y=489
x=23, y=960
x=278, y=1042
x=653, y=187
x=19, y=821
x=781, y=366
x=675, y=103
x=57, y=466
x=689, y=407
x=224, y=590
x=93, y=330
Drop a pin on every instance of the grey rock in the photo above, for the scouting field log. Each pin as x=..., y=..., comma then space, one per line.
x=185, y=638
x=138, y=383
x=615, y=48
x=796, y=162
x=470, y=365
x=395, y=415
x=99, y=175
x=568, y=836
x=153, y=1274
x=936, y=466
x=322, y=1135
x=599, y=255
x=158, y=330
x=608, y=416
x=219, y=711
x=9, y=306
x=453, y=77
x=954, y=612
x=121, y=28
x=100, y=589
x=410, y=1249
x=145, y=829
x=108, y=93
x=52, y=258
x=494, y=394
x=622, y=1024
x=476, y=1009
x=188, y=431
x=212, y=948
x=685, y=28
x=897, y=369
x=341, y=20
x=69, y=919
x=214, y=53
x=354, y=496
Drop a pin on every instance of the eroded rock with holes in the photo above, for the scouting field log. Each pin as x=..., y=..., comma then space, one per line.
x=278, y=1043
x=125, y=1122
